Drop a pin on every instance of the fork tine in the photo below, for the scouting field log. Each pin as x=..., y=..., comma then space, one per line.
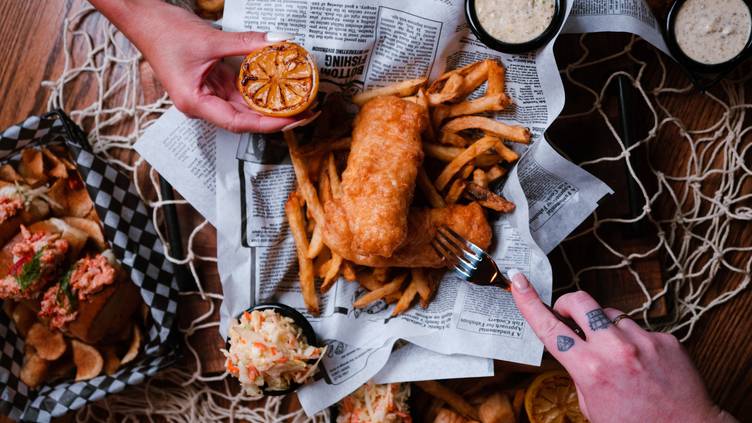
x=461, y=240
x=458, y=248
x=446, y=245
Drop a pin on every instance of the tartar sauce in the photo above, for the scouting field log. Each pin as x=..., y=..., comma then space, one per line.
x=712, y=31
x=515, y=21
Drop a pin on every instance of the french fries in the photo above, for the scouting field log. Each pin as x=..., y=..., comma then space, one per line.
x=294, y=212
x=470, y=153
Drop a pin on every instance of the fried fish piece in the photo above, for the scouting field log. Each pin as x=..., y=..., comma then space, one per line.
x=379, y=181
x=467, y=220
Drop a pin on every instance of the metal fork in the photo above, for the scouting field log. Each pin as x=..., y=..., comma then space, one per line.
x=476, y=266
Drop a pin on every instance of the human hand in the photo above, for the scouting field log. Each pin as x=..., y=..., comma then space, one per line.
x=186, y=55
x=622, y=373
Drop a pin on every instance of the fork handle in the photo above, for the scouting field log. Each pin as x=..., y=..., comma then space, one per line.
x=567, y=321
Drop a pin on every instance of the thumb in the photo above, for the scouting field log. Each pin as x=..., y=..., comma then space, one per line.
x=242, y=43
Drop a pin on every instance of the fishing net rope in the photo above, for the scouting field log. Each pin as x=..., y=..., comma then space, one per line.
x=120, y=114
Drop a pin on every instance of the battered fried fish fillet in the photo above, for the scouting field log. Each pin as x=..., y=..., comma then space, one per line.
x=379, y=181
x=469, y=221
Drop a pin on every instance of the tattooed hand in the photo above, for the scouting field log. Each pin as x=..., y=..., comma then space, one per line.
x=622, y=372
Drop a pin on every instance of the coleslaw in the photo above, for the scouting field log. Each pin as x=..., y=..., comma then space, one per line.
x=373, y=403
x=269, y=350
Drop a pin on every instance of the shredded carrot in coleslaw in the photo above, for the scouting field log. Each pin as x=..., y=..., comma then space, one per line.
x=269, y=351
x=373, y=403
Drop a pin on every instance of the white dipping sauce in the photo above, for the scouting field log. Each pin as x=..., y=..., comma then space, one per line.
x=712, y=31
x=515, y=21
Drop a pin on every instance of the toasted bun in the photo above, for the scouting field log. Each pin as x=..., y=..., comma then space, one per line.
x=106, y=312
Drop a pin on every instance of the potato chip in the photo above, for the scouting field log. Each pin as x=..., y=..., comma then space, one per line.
x=56, y=168
x=91, y=228
x=134, y=347
x=34, y=370
x=111, y=360
x=31, y=167
x=48, y=345
x=87, y=359
x=8, y=174
x=24, y=318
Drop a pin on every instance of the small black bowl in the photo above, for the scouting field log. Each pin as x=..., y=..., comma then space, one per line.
x=300, y=321
x=703, y=75
x=558, y=19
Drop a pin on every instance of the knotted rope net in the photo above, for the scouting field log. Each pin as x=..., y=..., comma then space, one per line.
x=120, y=114
x=696, y=212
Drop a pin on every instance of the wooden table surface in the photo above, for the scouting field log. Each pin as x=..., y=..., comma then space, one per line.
x=31, y=51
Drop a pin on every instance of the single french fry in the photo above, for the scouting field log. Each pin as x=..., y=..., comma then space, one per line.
x=426, y=186
x=477, y=148
x=506, y=153
x=452, y=398
x=317, y=242
x=381, y=292
x=422, y=100
x=489, y=126
x=489, y=103
x=400, y=89
x=323, y=147
x=334, y=180
x=489, y=199
x=381, y=274
x=406, y=298
x=451, y=90
x=479, y=178
x=305, y=186
x=348, y=271
x=321, y=264
x=474, y=78
x=294, y=212
x=331, y=272
x=422, y=285
x=495, y=172
x=442, y=152
x=438, y=83
x=411, y=99
x=455, y=191
x=438, y=115
x=451, y=138
x=466, y=171
x=368, y=281
x=496, y=75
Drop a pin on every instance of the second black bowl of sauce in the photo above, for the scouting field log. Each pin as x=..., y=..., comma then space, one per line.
x=515, y=26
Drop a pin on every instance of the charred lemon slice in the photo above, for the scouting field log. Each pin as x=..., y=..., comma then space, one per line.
x=552, y=398
x=279, y=80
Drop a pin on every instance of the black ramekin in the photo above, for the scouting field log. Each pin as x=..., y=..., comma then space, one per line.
x=534, y=44
x=697, y=70
x=300, y=321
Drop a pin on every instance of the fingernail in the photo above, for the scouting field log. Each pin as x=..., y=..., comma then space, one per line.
x=518, y=280
x=275, y=37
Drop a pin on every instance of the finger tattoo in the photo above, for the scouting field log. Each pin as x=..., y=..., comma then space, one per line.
x=597, y=319
x=564, y=343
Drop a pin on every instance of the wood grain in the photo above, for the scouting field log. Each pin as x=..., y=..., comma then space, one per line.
x=31, y=51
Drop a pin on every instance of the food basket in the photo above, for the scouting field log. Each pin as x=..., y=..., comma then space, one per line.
x=128, y=227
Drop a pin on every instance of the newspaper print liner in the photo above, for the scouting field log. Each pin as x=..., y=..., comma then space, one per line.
x=128, y=227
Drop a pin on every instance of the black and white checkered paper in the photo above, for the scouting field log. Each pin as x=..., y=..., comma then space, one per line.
x=128, y=227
